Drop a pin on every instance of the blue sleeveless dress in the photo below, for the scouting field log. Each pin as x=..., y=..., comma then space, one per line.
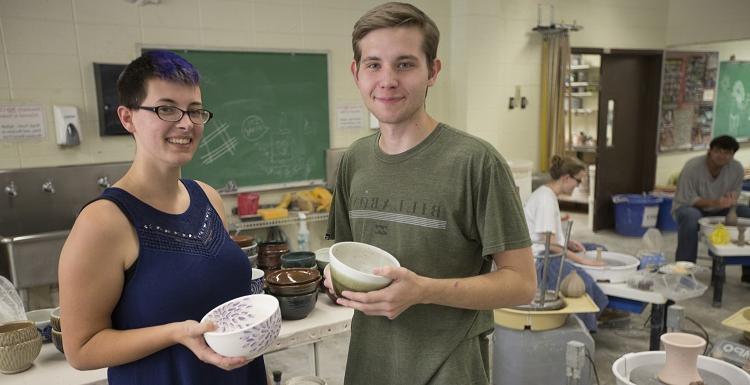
x=187, y=265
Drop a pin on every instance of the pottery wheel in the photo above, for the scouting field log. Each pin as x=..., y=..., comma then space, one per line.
x=646, y=375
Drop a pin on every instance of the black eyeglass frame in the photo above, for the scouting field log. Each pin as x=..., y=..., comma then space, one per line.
x=182, y=113
x=579, y=181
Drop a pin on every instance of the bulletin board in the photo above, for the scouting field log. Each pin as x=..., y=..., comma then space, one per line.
x=733, y=101
x=271, y=118
x=687, y=100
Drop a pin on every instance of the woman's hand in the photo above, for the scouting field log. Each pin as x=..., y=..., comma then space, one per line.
x=327, y=282
x=575, y=246
x=591, y=262
x=190, y=335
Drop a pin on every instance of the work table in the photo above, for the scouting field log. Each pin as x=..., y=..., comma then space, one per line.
x=50, y=367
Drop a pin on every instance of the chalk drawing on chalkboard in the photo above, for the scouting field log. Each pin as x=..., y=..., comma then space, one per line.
x=217, y=144
x=738, y=107
x=254, y=128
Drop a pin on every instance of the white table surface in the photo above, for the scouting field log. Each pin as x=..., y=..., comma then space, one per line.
x=729, y=250
x=622, y=290
x=50, y=367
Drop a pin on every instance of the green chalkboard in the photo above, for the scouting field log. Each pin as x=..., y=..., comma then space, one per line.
x=270, y=124
x=733, y=101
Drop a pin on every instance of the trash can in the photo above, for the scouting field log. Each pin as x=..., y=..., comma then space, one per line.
x=635, y=213
x=665, y=222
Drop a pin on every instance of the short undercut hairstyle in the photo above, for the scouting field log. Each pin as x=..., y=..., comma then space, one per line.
x=158, y=64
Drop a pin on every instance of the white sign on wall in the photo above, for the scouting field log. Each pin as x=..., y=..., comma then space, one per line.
x=350, y=116
x=21, y=121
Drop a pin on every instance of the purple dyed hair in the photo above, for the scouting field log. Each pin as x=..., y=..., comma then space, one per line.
x=165, y=65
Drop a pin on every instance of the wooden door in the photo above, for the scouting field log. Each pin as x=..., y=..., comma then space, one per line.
x=627, y=128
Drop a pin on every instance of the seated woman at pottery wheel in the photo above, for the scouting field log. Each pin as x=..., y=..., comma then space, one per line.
x=543, y=216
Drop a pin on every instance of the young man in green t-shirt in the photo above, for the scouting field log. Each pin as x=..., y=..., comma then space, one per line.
x=441, y=201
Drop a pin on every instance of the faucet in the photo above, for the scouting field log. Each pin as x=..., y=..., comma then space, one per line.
x=10, y=189
x=48, y=186
x=103, y=182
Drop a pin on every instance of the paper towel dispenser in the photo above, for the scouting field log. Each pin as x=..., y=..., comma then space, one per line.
x=67, y=125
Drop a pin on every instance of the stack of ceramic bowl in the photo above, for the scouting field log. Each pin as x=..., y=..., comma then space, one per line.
x=249, y=246
x=54, y=319
x=269, y=255
x=20, y=344
x=296, y=289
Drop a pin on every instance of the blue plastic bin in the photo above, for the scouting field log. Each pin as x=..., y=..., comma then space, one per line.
x=665, y=222
x=634, y=214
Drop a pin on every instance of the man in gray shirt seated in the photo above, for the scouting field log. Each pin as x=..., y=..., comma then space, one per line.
x=709, y=185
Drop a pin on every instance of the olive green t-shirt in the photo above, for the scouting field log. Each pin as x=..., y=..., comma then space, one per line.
x=439, y=208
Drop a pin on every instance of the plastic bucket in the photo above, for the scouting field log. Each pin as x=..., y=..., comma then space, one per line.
x=634, y=213
x=665, y=222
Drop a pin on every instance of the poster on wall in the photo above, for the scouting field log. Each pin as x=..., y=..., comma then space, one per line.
x=20, y=122
x=687, y=103
x=733, y=101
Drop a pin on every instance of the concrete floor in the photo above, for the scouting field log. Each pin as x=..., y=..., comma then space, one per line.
x=612, y=340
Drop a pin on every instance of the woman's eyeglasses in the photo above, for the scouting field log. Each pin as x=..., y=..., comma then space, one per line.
x=175, y=114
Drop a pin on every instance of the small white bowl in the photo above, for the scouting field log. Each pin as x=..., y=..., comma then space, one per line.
x=258, y=281
x=352, y=264
x=41, y=319
x=322, y=257
x=245, y=326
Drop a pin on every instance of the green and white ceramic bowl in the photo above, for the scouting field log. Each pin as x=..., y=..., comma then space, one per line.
x=352, y=264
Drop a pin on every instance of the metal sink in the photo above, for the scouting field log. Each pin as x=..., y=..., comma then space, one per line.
x=38, y=206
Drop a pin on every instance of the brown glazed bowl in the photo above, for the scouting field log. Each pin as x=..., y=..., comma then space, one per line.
x=304, y=288
x=293, y=276
x=243, y=240
x=269, y=254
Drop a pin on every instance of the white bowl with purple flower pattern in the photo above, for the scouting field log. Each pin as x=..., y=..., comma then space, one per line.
x=245, y=326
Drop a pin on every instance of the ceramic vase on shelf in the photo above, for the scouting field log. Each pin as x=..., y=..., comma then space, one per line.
x=682, y=350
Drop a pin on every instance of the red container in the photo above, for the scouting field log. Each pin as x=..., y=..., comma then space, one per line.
x=247, y=204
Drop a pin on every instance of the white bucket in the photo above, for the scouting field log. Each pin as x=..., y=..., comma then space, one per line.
x=522, y=170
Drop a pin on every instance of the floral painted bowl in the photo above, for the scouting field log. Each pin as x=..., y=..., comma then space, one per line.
x=245, y=326
x=352, y=264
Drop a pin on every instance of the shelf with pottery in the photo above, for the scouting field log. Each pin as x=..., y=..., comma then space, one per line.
x=292, y=219
x=327, y=320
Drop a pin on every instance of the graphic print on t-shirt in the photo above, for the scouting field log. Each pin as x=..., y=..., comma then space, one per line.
x=405, y=211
